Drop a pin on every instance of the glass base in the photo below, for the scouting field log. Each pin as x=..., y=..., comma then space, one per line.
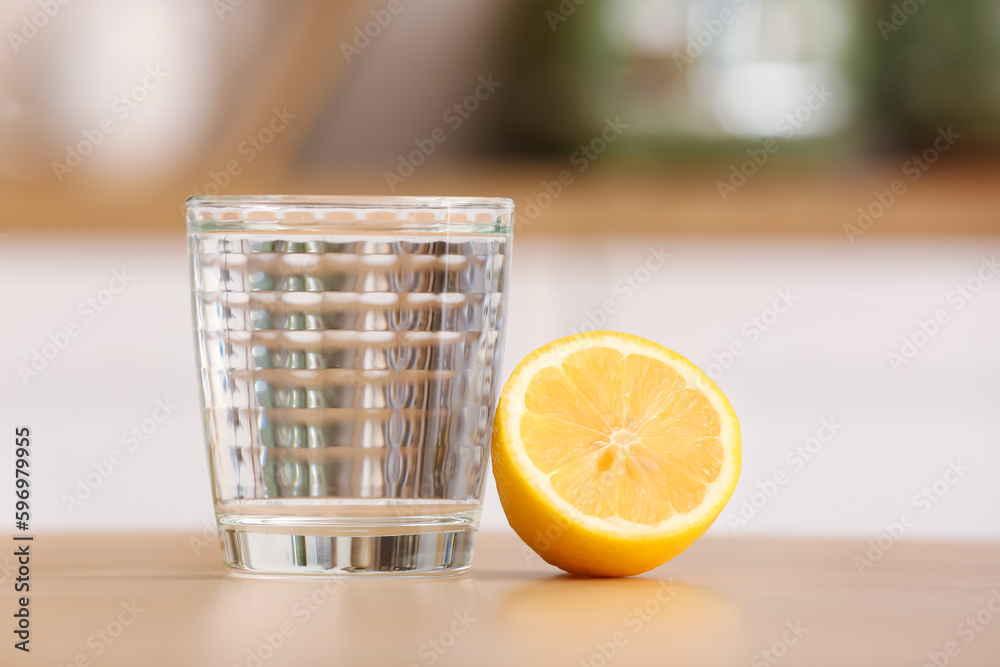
x=325, y=552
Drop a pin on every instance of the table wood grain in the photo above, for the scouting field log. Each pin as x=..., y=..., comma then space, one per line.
x=165, y=600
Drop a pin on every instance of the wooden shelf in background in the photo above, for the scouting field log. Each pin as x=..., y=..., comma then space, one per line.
x=958, y=199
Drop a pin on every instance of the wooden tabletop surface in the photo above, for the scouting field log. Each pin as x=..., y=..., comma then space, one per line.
x=165, y=600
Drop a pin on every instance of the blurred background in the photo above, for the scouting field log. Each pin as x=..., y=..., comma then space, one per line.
x=801, y=196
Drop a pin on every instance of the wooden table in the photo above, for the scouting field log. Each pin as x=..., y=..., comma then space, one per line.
x=165, y=600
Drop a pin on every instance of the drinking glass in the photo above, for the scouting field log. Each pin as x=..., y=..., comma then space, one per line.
x=349, y=352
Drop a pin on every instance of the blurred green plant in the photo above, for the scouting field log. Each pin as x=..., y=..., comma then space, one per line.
x=938, y=64
x=826, y=79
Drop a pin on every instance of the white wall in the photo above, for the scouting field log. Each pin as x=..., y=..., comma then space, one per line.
x=825, y=358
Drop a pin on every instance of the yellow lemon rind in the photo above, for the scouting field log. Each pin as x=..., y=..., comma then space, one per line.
x=563, y=535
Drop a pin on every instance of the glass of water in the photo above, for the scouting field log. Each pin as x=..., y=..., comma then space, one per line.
x=350, y=354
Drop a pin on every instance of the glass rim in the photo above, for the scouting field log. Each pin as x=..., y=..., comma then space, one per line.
x=324, y=214
x=350, y=201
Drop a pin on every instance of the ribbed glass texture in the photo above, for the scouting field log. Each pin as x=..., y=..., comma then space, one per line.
x=349, y=354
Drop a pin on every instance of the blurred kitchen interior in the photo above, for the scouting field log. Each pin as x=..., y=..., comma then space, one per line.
x=843, y=152
x=695, y=84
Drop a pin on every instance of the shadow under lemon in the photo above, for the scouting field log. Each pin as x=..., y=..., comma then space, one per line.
x=583, y=621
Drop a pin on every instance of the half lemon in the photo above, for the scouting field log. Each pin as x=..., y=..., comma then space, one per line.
x=612, y=454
